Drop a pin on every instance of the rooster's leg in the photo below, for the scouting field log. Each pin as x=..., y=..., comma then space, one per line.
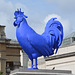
x=35, y=66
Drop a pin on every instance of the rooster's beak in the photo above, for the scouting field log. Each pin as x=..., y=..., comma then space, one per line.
x=25, y=16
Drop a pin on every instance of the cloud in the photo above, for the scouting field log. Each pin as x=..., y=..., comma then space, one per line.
x=7, y=9
x=67, y=6
x=22, y=6
x=7, y=16
x=65, y=22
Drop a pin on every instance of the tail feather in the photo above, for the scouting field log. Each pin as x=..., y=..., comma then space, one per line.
x=54, y=28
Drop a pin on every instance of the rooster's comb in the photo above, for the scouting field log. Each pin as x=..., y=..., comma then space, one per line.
x=19, y=13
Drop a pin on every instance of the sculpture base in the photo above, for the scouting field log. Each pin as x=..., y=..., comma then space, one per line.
x=23, y=71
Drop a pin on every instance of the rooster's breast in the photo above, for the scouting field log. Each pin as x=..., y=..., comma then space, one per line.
x=22, y=38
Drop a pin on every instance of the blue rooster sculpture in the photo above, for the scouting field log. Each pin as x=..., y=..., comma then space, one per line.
x=34, y=44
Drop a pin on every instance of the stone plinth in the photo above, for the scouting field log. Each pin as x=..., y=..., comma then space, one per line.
x=23, y=71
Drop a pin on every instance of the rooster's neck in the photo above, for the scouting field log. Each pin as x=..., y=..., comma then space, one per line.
x=24, y=20
x=24, y=23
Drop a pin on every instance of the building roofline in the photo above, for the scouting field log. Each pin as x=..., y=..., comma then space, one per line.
x=2, y=26
x=60, y=56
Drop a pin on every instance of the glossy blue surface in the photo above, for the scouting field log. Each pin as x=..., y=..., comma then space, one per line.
x=34, y=44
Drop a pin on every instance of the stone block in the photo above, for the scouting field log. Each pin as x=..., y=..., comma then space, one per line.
x=23, y=71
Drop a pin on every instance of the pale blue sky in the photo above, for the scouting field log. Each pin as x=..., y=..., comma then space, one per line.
x=38, y=12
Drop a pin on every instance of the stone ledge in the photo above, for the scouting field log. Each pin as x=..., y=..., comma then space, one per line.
x=60, y=56
x=23, y=71
x=35, y=73
x=1, y=58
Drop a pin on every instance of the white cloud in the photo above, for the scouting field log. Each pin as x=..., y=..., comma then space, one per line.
x=6, y=13
x=7, y=16
x=65, y=22
x=51, y=16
